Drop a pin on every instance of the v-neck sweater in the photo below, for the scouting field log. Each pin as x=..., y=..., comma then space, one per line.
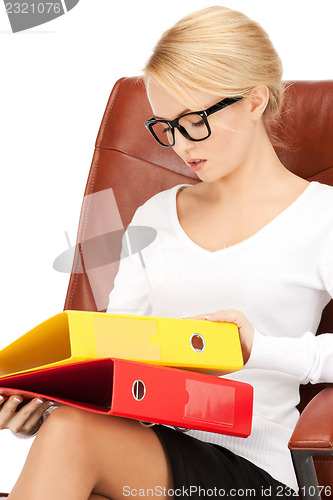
x=281, y=278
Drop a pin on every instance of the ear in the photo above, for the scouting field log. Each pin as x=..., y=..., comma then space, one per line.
x=258, y=100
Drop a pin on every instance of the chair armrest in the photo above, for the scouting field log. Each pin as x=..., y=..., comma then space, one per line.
x=314, y=429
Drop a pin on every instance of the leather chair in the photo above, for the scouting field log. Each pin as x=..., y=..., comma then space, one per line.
x=128, y=167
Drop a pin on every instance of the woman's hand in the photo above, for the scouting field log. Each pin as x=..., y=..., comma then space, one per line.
x=246, y=330
x=25, y=420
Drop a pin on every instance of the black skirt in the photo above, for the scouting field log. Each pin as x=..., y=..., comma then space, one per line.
x=206, y=470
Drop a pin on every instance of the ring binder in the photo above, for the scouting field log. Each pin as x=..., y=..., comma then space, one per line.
x=72, y=336
x=171, y=396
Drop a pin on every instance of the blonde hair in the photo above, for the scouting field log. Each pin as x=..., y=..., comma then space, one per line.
x=218, y=51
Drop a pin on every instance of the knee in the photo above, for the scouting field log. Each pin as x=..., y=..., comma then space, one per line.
x=65, y=423
x=73, y=426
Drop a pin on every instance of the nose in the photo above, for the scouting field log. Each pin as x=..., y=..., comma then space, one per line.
x=182, y=145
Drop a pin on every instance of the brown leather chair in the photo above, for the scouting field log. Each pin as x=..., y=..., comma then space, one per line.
x=128, y=167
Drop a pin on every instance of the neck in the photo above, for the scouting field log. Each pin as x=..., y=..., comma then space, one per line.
x=261, y=175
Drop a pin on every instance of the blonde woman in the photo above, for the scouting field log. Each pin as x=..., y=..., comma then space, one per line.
x=250, y=244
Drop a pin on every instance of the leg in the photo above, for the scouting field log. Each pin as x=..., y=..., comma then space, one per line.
x=77, y=453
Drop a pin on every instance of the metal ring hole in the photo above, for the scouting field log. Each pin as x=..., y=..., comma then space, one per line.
x=181, y=429
x=138, y=390
x=198, y=343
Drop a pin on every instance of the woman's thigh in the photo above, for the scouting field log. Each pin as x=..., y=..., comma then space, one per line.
x=109, y=456
x=132, y=454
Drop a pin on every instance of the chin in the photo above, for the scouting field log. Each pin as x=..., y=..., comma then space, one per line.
x=209, y=176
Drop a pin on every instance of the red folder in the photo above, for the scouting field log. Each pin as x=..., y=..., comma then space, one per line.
x=143, y=392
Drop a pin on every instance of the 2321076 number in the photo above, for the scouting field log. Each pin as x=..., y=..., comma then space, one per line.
x=33, y=8
x=310, y=491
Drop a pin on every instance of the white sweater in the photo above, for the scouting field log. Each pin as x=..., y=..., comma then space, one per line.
x=281, y=278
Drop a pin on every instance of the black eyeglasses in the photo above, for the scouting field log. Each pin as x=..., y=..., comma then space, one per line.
x=194, y=126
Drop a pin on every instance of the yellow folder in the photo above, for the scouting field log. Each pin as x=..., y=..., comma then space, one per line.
x=72, y=336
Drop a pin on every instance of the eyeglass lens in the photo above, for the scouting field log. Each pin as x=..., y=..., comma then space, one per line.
x=193, y=124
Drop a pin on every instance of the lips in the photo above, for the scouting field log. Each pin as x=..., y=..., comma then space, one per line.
x=196, y=163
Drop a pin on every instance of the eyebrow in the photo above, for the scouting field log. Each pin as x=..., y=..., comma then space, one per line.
x=180, y=114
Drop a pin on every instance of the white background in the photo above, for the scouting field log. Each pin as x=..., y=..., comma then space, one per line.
x=55, y=82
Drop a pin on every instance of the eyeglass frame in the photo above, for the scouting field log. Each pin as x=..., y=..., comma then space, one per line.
x=172, y=124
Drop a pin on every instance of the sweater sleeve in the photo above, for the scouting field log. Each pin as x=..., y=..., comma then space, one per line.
x=130, y=294
x=308, y=357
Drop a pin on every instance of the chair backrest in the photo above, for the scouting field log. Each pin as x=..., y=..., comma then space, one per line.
x=129, y=167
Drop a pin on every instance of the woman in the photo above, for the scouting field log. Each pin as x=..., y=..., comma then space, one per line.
x=245, y=245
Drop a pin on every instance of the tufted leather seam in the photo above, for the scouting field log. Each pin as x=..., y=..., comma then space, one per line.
x=321, y=171
x=132, y=156
x=143, y=159
x=80, y=237
x=107, y=111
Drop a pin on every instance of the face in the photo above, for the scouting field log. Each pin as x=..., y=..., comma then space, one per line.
x=229, y=146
